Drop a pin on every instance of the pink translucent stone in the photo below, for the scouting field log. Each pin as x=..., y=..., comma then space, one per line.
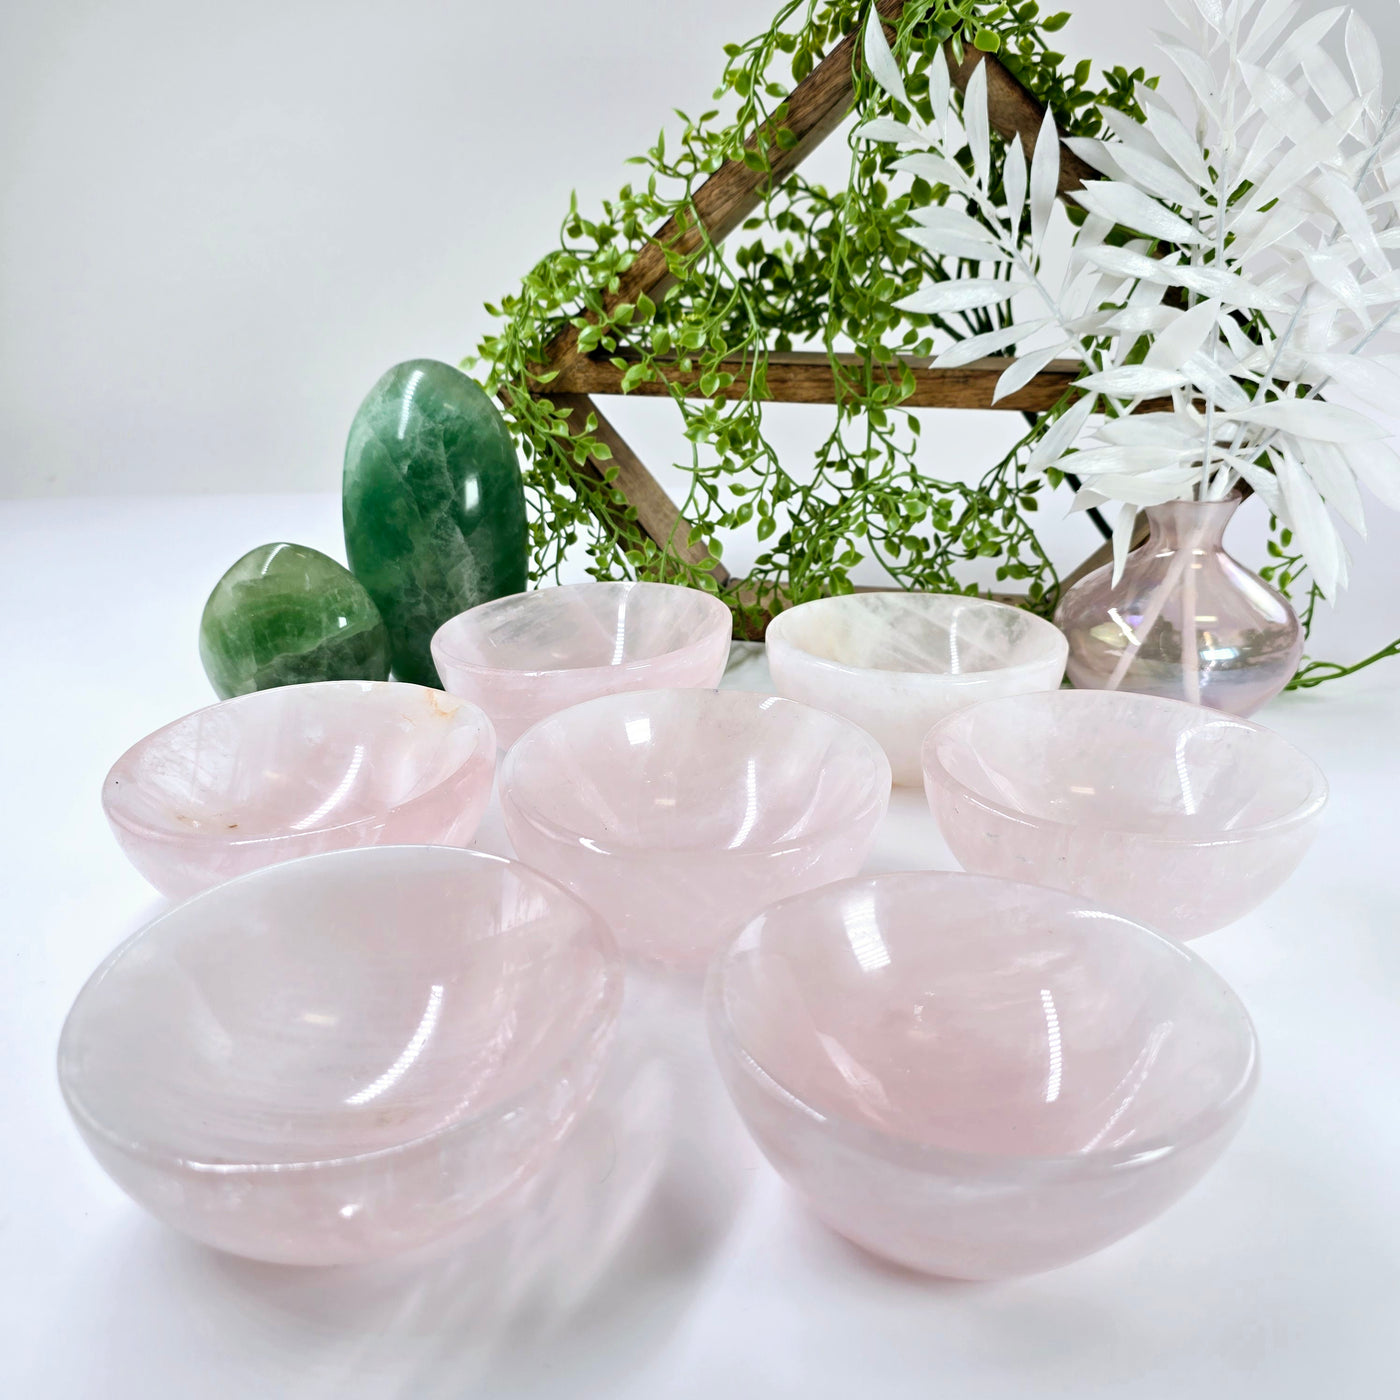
x=679, y=814
x=343, y=1057
x=1181, y=817
x=896, y=663
x=530, y=655
x=977, y=1078
x=290, y=772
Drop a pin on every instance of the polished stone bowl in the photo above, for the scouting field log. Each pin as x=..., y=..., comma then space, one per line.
x=1184, y=818
x=975, y=1078
x=897, y=663
x=678, y=814
x=530, y=655
x=294, y=771
x=343, y=1057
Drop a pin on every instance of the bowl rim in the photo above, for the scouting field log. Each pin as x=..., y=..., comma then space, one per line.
x=936, y=773
x=874, y=798
x=1039, y=627
x=1196, y=1127
x=466, y=714
x=602, y=1018
x=720, y=617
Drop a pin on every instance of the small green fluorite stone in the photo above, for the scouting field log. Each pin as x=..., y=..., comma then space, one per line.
x=285, y=614
x=434, y=506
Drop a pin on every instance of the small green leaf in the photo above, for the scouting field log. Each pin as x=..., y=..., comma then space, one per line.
x=987, y=41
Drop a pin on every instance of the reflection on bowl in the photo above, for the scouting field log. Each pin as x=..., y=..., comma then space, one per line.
x=290, y=772
x=677, y=814
x=342, y=1057
x=976, y=1078
x=896, y=663
x=1184, y=818
x=530, y=655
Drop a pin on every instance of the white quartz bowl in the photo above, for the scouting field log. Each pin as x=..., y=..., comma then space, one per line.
x=897, y=663
x=341, y=1057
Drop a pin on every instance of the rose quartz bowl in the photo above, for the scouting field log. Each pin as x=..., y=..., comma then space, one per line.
x=528, y=656
x=1184, y=818
x=976, y=1078
x=342, y=1057
x=897, y=663
x=678, y=814
x=283, y=773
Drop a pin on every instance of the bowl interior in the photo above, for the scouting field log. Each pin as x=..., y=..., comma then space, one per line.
x=335, y=1006
x=299, y=758
x=695, y=770
x=1126, y=762
x=982, y=1016
x=938, y=634
x=581, y=626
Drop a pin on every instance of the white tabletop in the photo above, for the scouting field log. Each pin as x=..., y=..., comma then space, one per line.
x=662, y=1257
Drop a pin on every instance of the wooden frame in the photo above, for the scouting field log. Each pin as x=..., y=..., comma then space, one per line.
x=815, y=109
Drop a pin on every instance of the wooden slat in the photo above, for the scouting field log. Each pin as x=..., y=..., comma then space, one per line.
x=807, y=377
x=815, y=109
x=657, y=513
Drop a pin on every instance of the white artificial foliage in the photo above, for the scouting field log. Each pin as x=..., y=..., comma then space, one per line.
x=1262, y=232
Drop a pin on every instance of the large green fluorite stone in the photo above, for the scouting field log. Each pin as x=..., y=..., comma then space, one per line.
x=285, y=614
x=434, y=507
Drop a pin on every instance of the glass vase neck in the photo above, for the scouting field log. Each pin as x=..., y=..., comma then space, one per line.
x=1191, y=524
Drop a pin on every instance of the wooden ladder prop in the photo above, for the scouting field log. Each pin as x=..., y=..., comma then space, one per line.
x=815, y=109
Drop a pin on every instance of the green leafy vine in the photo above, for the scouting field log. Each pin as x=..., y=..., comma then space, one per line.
x=815, y=268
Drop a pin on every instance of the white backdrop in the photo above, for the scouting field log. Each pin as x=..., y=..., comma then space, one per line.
x=219, y=224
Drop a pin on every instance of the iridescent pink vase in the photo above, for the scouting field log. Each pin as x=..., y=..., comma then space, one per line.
x=1185, y=621
x=976, y=1078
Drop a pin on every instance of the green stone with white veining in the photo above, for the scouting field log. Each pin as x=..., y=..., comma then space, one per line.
x=434, y=506
x=284, y=615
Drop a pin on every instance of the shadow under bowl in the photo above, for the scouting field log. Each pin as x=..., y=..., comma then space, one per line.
x=528, y=656
x=343, y=1057
x=678, y=814
x=1184, y=818
x=897, y=663
x=975, y=1078
x=291, y=772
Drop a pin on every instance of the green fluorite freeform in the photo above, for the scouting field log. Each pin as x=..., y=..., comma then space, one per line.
x=285, y=614
x=434, y=506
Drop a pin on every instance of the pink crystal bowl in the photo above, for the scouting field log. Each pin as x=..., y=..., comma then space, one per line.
x=1184, y=818
x=976, y=1078
x=290, y=772
x=896, y=663
x=342, y=1057
x=678, y=814
x=528, y=656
